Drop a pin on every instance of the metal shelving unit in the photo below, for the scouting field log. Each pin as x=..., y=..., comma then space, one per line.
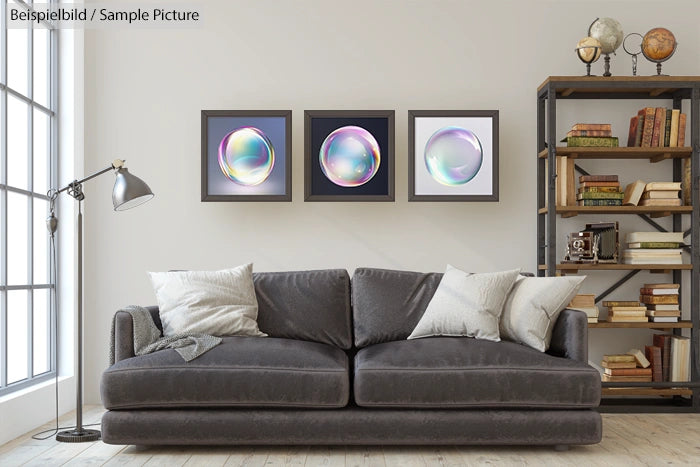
x=625, y=397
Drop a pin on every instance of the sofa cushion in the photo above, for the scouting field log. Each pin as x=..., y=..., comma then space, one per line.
x=460, y=372
x=387, y=304
x=306, y=305
x=242, y=371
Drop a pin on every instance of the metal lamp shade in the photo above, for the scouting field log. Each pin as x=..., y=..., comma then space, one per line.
x=129, y=191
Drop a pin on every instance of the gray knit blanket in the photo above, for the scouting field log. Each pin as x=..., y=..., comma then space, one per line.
x=147, y=337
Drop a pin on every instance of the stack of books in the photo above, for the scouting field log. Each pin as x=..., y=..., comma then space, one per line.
x=599, y=190
x=661, y=301
x=657, y=127
x=585, y=303
x=661, y=194
x=653, y=248
x=630, y=367
x=591, y=135
x=626, y=312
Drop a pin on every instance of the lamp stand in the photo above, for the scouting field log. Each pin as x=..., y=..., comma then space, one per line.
x=79, y=434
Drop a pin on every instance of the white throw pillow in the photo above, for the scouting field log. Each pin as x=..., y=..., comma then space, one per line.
x=533, y=307
x=466, y=305
x=220, y=303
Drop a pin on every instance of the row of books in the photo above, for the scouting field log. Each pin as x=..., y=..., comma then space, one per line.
x=653, y=248
x=667, y=359
x=639, y=193
x=591, y=135
x=657, y=127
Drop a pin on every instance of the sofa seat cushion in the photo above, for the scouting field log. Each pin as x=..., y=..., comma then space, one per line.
x=241, y=371
x=461, y=372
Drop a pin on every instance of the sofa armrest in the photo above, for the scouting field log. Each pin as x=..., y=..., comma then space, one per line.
x=124, y=333
x=570, y=336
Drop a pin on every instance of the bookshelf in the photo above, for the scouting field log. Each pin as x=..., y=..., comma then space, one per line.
x=626, y=397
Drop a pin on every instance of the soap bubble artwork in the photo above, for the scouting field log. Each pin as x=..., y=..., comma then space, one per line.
x=350, y=156
x=246, y=156
x=453, y=155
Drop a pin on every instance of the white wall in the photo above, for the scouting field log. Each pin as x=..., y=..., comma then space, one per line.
x=145, y=90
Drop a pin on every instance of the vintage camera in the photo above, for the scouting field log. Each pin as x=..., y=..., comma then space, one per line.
x=597, y=243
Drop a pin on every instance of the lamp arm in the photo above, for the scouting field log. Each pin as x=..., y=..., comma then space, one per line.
x=117, y=164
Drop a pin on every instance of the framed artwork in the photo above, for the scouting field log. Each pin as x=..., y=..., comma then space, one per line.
x=453, y=155
x=349, y=155
x=246, y=155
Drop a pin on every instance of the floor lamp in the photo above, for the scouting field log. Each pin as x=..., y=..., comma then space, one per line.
x=129, y=191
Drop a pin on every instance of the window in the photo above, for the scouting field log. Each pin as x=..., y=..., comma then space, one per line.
x=27, y=171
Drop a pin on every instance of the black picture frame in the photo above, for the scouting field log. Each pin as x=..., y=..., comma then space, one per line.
x=318, y=124
x=214, y=184
x=419, y=184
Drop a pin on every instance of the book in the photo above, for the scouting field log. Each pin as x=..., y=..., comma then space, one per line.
x=675, y=116
x=600, y=202
x=648, y=130
x=681, y=130
x=659, y=260
x=600, y=189
x=652, y=252
x=619, y=358
x=598, y=178
x=667, y=129
x=653, y=245
x=640, y=129
x=639, y=356
x=628, y=371
x=662, y=285
x=663, y=186
x=632, y=135
x=601, y=195
x=664, y=313
x=652, y=291
x=659, y=120
x=592, y=319
x=592, y=142
x=592, y=126
x=592, y=312
x=663, y=307
x=610, y=303
x=660, y=202
x=600, y=184
x=582, y=300
x=598, y=133
x=627, y=319
x=561, y=181
x=660, y=194
x=659, y=299
x=680, y=359
x=627, y=314
x=626, y=379
x=663, y=341
x=675, y=237
x=663, y=319
x=616, y=365
x=633, y=193
x=653, y=354
x=620, y=309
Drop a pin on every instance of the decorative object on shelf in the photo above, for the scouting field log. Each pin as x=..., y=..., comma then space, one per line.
x=246, y=155
x=633, y=50
x=349, y=155
x=129, y=191
x=597, y=243
x=453, y=155
x=588, y=51
x=658, y=45
x=608, y=32
x=591, y=135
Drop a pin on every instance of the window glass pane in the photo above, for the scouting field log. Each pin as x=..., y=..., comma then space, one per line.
x=17, y=139
x=41, y=330
x=41, y=242
x=18, y=59
x=41, y=65
x=41, y=152
x=17, y=345
x=17, y=244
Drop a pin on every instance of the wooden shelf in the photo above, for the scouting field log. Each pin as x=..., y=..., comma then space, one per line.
x=653, y=211
x=608, y=391
x=627, y=86
x=572, y=267
x=653, y=154
x=641, y=325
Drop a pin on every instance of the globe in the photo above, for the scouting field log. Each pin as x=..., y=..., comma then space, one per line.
x=588, y=49
x=609, y=32
x=658, y=44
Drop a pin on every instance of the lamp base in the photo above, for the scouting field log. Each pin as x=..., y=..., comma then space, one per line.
x=75, y=436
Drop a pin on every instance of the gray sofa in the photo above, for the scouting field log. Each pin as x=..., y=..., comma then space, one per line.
x=337, y=369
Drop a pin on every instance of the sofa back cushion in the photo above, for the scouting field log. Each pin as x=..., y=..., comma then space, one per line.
x=387, y=304
x=305, y=305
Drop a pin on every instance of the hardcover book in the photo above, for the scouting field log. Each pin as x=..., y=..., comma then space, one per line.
x=653, y=354
x=663, y=341
x=675, y=237
x=628, y=371
x=599, y=195
x=660, y=202
x=648, y=131
x=614, y=365
x=639, y=356
x=592, y=126
x=659, y=299
x=663, y=285
x=681, y=130
x=592, y=142
x=633, y=193
x=618, y=358
x=662, y=308
x=663, y=186
x=659, y=123
x=680, y=358
x=675, y=117
x=600, y=184
x=632, y=136
x=600, y=202
x=653, y=245
x=605, y=133
x=650, y=291
x=667, y=129
x=626, y=379
x=598, y=178
x=660, y=194
x=599, y=189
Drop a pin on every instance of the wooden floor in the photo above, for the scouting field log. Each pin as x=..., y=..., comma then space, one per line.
x=627, y=440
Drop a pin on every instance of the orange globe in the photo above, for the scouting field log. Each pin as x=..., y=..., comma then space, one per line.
x=658, y=44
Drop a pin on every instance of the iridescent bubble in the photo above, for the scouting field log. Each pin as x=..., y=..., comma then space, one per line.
x=350, y=156
x=246, y=156
x=453, y=155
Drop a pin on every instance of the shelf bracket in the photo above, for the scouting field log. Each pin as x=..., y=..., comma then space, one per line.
x=660, y=157
x=617, y=284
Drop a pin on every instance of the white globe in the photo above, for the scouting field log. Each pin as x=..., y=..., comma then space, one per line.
x=609, y=32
